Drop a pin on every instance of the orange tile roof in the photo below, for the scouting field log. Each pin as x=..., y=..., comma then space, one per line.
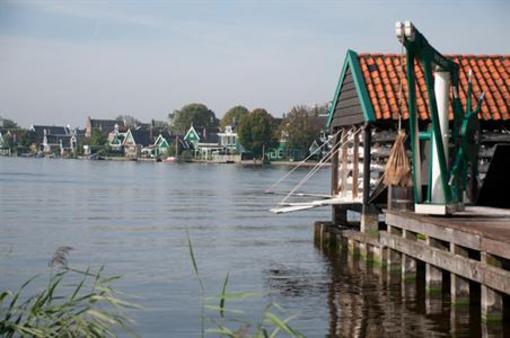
x=491, y=74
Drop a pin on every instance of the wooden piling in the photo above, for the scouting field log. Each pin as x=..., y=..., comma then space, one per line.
x=446, y=245
x=433, y=274
x=394, y=257
x=492, y=300
x=408, y=262
x=459, y=288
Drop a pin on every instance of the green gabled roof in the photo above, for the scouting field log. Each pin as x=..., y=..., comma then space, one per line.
x=128, y=138
x=117, y=139
x=351, y=62
x=192, y=135
x=161, y=141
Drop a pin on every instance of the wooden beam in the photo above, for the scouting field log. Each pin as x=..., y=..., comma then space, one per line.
x=367, y=144
x=436, y=231
x=343, y=169
x=334, y=165
x=493, y=277
x=355, y=165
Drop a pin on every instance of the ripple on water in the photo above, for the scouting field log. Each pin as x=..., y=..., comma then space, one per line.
x=134, y=217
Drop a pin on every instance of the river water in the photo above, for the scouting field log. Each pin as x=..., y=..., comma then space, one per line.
x=132, y=217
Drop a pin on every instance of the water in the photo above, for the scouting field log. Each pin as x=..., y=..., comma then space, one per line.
x=133, y=217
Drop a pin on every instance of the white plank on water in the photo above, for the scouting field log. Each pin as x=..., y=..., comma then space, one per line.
x=298, y=206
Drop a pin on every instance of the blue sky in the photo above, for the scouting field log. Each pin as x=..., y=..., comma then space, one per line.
x=61, y=61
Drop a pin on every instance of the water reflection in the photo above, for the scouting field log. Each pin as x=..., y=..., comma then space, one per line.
x=367, y=301
x=133, y=218
x=364, y=300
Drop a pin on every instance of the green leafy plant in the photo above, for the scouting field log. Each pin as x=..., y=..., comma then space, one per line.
x=73, y=304
x=215, y=311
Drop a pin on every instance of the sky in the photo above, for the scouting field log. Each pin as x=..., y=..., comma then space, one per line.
x=61, y=61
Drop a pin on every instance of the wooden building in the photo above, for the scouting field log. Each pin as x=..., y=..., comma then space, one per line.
x=103, y=125
x=369, y=104
x=134, y=140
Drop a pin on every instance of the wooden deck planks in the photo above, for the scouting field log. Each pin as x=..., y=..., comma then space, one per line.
x=485, y=229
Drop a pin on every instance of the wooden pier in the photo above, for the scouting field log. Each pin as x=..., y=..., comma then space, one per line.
x=472, y=246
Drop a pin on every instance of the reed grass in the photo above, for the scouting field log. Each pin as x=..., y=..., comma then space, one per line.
x=269, y=324
x=74, y=303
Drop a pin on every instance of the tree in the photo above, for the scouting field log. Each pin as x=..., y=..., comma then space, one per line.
x=233, y=116
x=8, y=124
x=171, y=150
x=159, y=124
x=302, y=126
x=256, y=131
x=195, y=113
x=128, y=120
x=97, y=138
x=9, y=141
x=27, y=138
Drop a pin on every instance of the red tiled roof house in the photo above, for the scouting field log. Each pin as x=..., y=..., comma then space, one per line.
x=371, y=99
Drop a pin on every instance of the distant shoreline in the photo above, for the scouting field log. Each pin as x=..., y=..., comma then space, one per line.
x=242, y=163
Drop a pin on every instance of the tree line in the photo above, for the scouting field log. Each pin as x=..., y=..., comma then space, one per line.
x=257, y=129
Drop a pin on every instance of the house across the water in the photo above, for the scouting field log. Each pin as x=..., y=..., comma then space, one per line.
x=56, y=139
x=211, y=145
x=134, y=140
x=4, y=146
x=161, y=145
x=105, y=126
x=229, y=141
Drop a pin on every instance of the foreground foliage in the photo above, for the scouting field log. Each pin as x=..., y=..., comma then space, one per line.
x=73, y=304
x=216, y=313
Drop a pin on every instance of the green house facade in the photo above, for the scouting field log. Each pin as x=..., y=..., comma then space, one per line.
x=161, y=146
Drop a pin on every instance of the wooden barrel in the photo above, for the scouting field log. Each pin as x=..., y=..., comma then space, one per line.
x=400, y=198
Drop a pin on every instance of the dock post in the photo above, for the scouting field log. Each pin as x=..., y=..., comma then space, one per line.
x=323, y=235
x=492, y=300
x=408, y=263
x=319, y=231
x=369, y=222
x=409, y=267
x=378, y=256
x=459, y=286
x=459, y=295
x=364, y=256
x=433, y=283
x=394, y=258
x=363, y=253
x=353, y=252
x=433, y=275
x=340, y=216
x=370, y=225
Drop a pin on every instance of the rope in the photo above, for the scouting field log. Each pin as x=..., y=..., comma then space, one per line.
x=319, y=165
x=312, y=172
x=268, y=190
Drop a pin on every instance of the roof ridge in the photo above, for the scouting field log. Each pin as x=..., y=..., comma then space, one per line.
x=490, y=74
x=466, y=55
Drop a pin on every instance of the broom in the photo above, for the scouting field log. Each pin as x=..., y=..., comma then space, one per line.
x=398, y=171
